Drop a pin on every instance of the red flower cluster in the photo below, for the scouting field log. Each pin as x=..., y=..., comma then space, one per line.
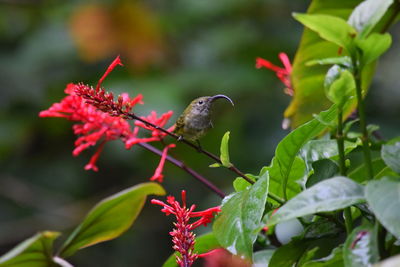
x=282, y=73
x=182, y=235
x=101, y=119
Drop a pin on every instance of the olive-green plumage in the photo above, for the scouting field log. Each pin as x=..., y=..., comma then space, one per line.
x=196, y=119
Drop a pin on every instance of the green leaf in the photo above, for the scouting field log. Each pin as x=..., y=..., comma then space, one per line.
x=203, y=244
x=289, y=147
x=289, y=254
x=215, y=165
x=384, y=200
x=342, y=89
x=236, y=226
x=299, y=250
x=329, y=195
x=110, y=217
x=315, y=150
x=344, y=61
x=296, y=173
x=335, y=259
x=240, y=184
x=225, y=151
x=261, y=258
x=360, y=174
x=308, y=82
x=391, y=154
x=36, y=251
x=323, y=169
x=361, y=247
x=367, y=14
x=331, y=28
x=374, y=46
x=321, y=228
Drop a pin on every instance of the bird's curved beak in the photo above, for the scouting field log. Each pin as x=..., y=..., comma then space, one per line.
x=222, y=96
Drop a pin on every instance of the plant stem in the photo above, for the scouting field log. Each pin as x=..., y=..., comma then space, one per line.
x=276, y=198
x=392, y=17
x=348, y=220
x=192, y=145
x=342, y=165
x=381, y=232
x=340, y=143
x=182, y=165
x=363, y=123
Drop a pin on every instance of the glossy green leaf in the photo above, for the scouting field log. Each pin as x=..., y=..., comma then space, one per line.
x=322, y=228
x=323, y=169
x=203, y=244
x=240, y=184
x=374, y=46
x=110, y=217
x=391, y=155
x=360, y=174
x=315, y=150
x=361, y=247
x=366, y=15
x=236, y=226
x=384, y=200
x=335, y=259
x=308, y=82
x=344, y=61
x=215, y=165
x=289, y=254
x=225, y=151
x=296, y=173
x=342, y=89
x=298, y=251
x=289, y=147
x=329, y=195
x=331, y=28
x=261, y=258
x=36, y=251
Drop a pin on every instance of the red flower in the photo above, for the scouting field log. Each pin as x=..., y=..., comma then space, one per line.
x=85, y=105
x=282, y=73
x=182, y=235
x=220, y=258
x=158, y=176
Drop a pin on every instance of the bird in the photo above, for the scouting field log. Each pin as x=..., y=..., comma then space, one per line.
x=195, y=120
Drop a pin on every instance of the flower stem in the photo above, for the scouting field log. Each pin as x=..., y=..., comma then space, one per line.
x=233, y=168
x=181, y=165
x=342, y=165
x=363, y=123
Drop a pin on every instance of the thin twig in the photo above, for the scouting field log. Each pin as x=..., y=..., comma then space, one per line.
x=182, y=165
x=192, y=145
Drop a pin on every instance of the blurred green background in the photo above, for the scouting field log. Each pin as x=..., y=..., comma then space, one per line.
x=173, y=51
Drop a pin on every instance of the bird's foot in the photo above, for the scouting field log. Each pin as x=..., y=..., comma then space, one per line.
x=199, y=148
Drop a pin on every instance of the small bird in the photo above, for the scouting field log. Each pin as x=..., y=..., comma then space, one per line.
x=196, y=119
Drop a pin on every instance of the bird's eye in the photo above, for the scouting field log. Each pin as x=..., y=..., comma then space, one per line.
x=200, y=102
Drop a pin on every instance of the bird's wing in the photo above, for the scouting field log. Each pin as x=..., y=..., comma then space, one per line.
x=179, y=125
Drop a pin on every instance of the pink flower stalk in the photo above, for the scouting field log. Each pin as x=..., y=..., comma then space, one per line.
x=158, y=176
x=282, y=73
x=101, y=119
x=182, y=235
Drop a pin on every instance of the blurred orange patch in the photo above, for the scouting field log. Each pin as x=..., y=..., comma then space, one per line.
x=126, y=28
